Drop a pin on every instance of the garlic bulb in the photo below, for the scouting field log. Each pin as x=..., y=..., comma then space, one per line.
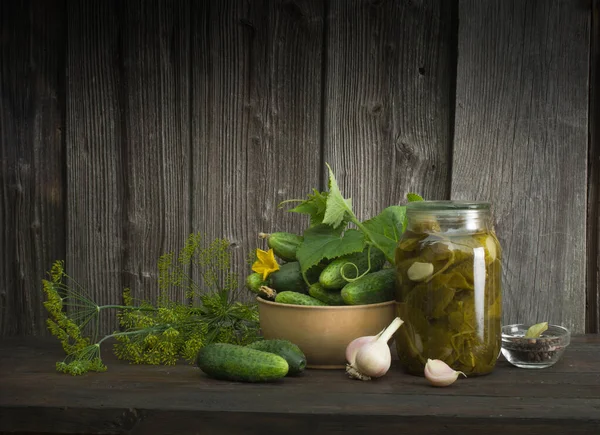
x=370, y=357
x=355, y=345
x=440, y=374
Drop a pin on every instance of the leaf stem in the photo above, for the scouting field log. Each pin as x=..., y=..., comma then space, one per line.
x=367, y=233
x=280, y=205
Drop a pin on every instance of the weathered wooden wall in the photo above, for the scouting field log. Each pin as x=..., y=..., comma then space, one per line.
x=33, y=194
x=521, y=140
x=593, y=216
x=127, y=125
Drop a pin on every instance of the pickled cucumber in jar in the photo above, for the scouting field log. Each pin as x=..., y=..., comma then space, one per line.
x=448, y=287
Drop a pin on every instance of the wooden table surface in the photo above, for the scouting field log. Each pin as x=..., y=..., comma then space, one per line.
x=181, y=399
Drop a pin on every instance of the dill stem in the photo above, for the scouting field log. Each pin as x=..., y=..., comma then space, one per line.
x=192, y=283
x=139, y=331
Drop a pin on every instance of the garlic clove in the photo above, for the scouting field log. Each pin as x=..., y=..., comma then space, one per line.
x=440, y=374
x=490, y=244
x=419, y=271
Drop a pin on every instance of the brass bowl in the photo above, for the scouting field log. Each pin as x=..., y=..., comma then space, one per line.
x=323, y=333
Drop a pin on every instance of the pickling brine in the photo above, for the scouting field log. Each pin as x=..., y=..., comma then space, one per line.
x=448, y=287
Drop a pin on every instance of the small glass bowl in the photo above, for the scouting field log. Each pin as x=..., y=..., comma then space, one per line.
x=534, y=353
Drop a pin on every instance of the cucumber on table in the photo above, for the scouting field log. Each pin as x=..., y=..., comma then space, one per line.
x=287, y=350
x=294, y=298
x=330, y=297
x=331, y=278
x=371, y=289
x=240, y=363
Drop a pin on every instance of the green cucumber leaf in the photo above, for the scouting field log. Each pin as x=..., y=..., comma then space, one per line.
x=413, y=197
x=536, y=330
x=386, y=228
x=332, y=209
x=337, y=205
x=314, y=206
x=325, y=242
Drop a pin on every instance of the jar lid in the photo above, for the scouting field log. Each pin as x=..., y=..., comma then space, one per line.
x=447, y=205
x=463, y=215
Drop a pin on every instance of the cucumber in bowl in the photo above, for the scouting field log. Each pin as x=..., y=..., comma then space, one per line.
x=372, y=288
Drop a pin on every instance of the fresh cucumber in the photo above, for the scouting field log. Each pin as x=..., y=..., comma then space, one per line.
x=295, y=298
x=288, y=278
x=331, y=278
x=330, y=297
x=254, y=281
x=284, y=244
x=287, y=350
x=372, y=288
x=239, y=363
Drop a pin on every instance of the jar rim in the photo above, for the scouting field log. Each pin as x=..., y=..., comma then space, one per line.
x=447, y=205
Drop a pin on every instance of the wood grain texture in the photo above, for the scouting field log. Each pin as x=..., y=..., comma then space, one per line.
x=593, y=216
x=521, y=143
x=32, y=193
x=94, y=155
x=387, y=108
x=156, y=36
x=562, y=398
x=256, y=101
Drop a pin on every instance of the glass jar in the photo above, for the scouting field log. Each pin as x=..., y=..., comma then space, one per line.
x=448, y=287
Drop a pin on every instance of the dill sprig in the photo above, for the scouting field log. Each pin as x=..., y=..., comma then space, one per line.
x=155, y=333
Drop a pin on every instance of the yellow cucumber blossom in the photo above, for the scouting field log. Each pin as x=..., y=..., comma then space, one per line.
x=266, y=263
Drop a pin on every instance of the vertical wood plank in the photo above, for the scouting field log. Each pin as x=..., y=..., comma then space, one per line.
x=521, y=143
x=95, y=171
x=156, y=161
x=256, y=81
x=32, y=202
x=593, y=217
x=387, y=111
